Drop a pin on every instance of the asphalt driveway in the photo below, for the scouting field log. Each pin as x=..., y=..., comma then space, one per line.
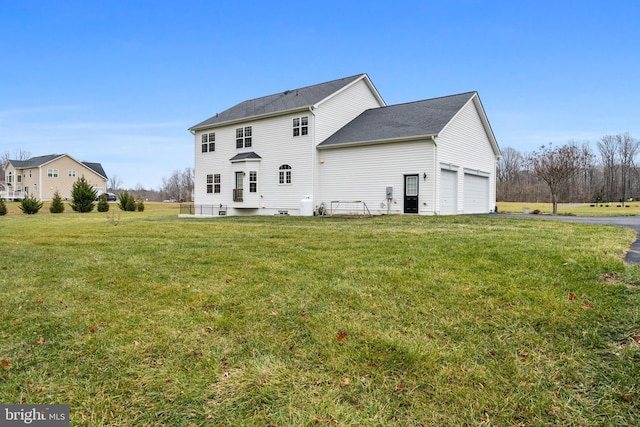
x=633, y=222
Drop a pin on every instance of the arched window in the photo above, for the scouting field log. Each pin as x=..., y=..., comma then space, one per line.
x=285, y=174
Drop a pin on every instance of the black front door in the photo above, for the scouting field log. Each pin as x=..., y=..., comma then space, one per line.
x=411, y=194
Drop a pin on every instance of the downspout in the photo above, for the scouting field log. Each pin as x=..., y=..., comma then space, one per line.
x=314, y=160
x=436, y=177
x=195, y=154
x=40, y=182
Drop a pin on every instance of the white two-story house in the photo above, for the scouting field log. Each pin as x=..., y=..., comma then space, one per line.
x=337, y=144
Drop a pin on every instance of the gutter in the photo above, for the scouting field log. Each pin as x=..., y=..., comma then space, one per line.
x=432, y=137
x=250, y=118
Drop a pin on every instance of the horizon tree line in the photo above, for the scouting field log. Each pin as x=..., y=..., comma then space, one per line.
x=572, y=173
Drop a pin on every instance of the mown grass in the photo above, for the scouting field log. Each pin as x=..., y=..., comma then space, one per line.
x=310, y=321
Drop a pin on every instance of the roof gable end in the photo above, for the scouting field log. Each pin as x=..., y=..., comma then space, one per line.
x=425, y=118
x=279, y=103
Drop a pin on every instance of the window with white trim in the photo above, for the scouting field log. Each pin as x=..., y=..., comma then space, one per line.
x=301, y=126
x=52, y=173
x=284, y=175
x=208, y=142
x=209, y=183
x=72, y=173
x=216, y=183
x=244, y=137
x=253, y=181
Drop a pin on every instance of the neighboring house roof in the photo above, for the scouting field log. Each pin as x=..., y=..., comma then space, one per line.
x=289, y=100
x=425, y=118
x=34, y=162
x=39, y=161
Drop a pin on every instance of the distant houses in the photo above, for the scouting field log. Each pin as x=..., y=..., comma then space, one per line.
x=44, y=175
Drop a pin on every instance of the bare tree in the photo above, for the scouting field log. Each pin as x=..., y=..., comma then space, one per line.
x=627, y=151
x=114, y=183
x=6, y=156
x=556, y=165
x=608, y=150
x=509, y=174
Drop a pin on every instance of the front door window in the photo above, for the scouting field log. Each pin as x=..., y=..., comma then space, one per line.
x=411, y=194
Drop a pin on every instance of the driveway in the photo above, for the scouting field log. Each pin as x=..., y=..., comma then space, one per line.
x=633, y=222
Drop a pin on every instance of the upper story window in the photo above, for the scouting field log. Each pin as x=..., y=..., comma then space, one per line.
x=72, y=173
x=208, y=142
x=243, y=137
x=19, y=177
x=301, y=126
x=10, y=177
x=52, y=173
x=284, y=175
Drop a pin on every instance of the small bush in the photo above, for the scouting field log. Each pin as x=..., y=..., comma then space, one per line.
x=56, y=203
x=3, y=207
x=30, y=205
x=127, y=203
x=103, y=204
x=139, y=205
x=536, y=212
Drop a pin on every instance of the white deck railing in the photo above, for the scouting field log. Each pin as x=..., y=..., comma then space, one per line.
x=12, y=195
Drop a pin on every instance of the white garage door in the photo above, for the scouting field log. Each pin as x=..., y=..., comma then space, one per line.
x=448, y=192
x=476, y=194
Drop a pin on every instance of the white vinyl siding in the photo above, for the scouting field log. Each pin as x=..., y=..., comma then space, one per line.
x=464, y=142
x=344, y=175
x=343, y=107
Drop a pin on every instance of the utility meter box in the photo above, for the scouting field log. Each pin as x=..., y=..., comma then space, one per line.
x=389, y=193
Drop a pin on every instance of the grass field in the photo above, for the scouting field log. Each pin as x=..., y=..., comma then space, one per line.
x=282, y=321
x=578, y=209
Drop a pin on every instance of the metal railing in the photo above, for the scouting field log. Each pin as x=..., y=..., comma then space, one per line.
x=203, y=210
x=237, y=194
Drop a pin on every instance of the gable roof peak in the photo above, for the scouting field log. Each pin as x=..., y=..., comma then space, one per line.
x=289, y=100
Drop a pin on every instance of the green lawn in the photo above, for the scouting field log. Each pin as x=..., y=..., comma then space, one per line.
x=577, y=209
x=280, y=321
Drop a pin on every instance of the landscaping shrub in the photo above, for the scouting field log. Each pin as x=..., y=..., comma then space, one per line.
x=30, y=205
x=139, y=205
x=3, y=207
x=83, y=195
x=127, y=202
x=103, y=204
x=56, y=203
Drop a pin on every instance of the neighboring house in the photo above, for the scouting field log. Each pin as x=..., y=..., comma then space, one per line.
x=327, y=146
x=44, y=175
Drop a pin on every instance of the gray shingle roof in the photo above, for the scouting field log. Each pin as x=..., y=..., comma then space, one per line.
x=283, y=101
x=38, y=161
x=418, y=118
x=96, y=167
x=245, y=156
x=34, y=162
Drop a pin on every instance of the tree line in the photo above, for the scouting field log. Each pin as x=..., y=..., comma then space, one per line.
x=571, y=173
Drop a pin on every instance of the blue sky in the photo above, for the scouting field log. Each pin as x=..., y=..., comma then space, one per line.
x=119, y=82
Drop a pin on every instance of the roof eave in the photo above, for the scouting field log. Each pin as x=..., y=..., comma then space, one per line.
x=250, y=118
x=432, y=137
